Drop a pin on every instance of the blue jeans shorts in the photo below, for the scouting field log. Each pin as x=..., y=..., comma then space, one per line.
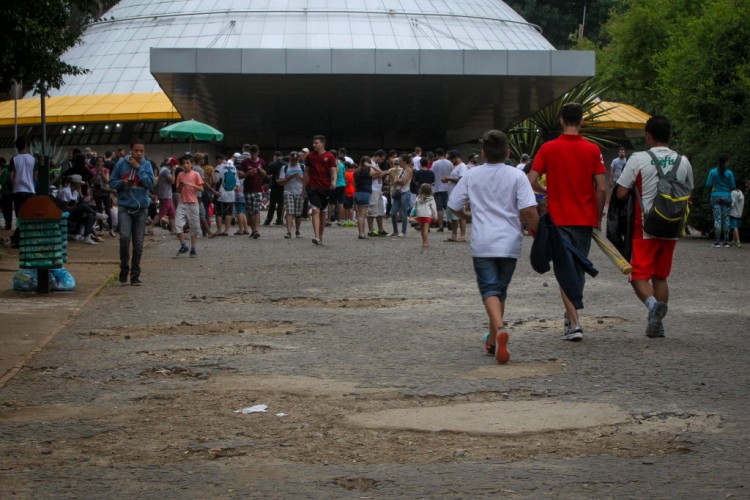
x=494, y=275
x=362, y=199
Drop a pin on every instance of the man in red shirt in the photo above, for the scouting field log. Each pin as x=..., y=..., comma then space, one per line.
x=320, y=179
x=575, y=193
x=253, y=171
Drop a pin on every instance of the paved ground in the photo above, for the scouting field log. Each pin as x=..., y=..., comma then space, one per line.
x=352, y=346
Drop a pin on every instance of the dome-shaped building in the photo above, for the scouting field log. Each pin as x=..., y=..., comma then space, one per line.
x=367, y=73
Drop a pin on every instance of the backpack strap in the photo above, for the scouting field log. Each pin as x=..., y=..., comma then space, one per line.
x=659, y=171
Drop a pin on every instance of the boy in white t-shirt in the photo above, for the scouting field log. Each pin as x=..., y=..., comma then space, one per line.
x=735, y=215
x=500, y=195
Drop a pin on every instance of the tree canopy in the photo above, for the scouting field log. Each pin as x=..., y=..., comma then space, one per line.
x=560, y=20
x=688, y=60
x=34, y=34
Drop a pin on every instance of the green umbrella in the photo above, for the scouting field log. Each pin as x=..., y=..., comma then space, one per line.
x=193, y=130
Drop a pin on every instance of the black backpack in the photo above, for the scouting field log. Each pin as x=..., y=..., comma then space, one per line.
x=668, y=214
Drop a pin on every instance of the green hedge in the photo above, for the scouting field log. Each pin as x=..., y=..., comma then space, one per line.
x=735, y=143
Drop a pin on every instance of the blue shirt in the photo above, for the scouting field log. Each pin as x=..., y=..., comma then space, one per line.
x=136, y=196
x=723, y=186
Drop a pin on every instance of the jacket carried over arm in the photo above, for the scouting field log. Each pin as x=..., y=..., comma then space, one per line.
x=549, y=245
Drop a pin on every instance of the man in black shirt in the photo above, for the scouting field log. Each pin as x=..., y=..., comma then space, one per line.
x=276, y=203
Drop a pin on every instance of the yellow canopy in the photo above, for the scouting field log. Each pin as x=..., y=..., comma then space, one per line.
x=92, y=109
x=619, y=115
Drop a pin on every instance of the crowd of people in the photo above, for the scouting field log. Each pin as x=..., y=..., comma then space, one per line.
x=558, y=198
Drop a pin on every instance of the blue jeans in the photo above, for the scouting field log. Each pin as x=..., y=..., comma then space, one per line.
x=132, y=228
x=402, y=206
x=721, y=205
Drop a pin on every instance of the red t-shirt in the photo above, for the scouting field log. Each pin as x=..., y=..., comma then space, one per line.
x=253, y=182
x=570, y=162
x=350, y=188
x=319, y=170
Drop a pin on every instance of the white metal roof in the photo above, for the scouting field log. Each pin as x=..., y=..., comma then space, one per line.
x=116, y=49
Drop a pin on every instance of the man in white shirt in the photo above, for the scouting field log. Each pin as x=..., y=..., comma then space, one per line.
x=442, y=169
x=616, y=167
x=290, y=177
x=500, y=195
x=225, y=177
x=377, y=207
x=459, y=168
x=416, y=157
x=652, y=256
x=80, y=212
x=23, y=176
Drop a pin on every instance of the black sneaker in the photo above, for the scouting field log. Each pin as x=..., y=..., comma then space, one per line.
x=297, y=235
x=135, y=281
x=382, y=233
x=288, y=236
x=267, y=223
x=183, y=249
x=123, y=278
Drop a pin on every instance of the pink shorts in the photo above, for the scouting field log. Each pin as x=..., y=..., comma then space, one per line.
x=166, y=207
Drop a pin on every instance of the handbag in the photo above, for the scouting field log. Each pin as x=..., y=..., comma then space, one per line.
x=396, y=190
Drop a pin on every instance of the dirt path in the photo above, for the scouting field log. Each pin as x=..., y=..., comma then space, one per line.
x=374, y=380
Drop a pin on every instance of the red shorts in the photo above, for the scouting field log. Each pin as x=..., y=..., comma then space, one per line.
x=166, y=207
x=424, y=220
x=652, y=258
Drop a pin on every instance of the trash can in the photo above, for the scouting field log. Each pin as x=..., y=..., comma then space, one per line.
x=43, y=243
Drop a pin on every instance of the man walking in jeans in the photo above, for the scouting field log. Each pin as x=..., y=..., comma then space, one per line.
x=133, y=179
x=575, y=190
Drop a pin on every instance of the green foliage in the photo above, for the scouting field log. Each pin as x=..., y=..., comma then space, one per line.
x=559, y=20
x=688, y=60
x=544, y=125
x=705, y=77
x=735, y=143
x=34, y=34
x=638, y=34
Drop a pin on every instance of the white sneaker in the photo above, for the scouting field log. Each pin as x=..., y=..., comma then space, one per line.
x=77, y=237
x=88, y=241
x=574, y=334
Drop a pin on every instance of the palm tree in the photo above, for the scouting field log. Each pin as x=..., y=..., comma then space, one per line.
x=544, y=125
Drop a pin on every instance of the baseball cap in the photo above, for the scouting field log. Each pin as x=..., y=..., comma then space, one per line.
x=305, y=150
x=237, y=155
x=294, y=154
x=454, y=153
x=76, y=179
x=172, y=161
x=87, y=151
x=524, y=157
